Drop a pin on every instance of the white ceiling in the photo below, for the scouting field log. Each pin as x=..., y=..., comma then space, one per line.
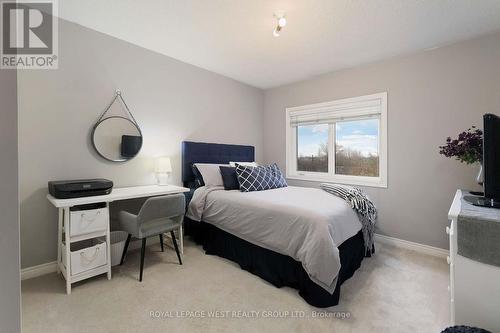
x=234, y=37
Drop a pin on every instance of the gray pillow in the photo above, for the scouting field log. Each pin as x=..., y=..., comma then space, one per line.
x=210, y=173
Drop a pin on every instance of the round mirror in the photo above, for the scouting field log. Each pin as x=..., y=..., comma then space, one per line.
x=117, y=139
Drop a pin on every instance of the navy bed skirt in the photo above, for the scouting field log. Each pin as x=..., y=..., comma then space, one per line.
x=277, y=269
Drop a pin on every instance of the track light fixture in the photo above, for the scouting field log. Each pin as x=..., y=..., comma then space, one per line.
x=280, y=23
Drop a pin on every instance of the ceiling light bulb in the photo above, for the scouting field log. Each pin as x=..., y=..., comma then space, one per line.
x=282, y=22
x=276, y=33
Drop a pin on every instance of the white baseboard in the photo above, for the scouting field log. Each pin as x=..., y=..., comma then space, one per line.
x=39, y=270
x=51, y=267
x=421, y=248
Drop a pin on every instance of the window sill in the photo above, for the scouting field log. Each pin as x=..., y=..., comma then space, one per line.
x=347, y=180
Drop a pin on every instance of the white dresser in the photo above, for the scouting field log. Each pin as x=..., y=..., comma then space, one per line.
x=474, y=285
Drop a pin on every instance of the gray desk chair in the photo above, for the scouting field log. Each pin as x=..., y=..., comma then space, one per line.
x=157, y=216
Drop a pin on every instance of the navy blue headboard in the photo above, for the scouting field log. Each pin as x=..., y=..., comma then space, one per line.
x=202, y=152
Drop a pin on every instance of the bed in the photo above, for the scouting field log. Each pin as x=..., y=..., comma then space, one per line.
x=302, y=238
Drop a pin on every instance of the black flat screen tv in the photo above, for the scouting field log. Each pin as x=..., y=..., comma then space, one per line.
x=491, y=157
x=491, y=163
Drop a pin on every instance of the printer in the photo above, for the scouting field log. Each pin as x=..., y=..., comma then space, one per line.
x=67, y=189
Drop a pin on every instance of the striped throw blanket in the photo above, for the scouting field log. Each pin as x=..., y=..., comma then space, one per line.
x=364, y=207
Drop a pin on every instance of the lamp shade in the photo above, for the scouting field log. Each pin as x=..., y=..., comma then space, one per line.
x=163, y=165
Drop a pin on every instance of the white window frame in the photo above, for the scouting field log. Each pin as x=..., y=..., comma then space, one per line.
x=344, y=109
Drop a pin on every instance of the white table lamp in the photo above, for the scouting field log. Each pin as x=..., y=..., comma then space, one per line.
x=163, y=168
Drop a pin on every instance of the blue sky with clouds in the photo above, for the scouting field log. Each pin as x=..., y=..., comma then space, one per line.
x=309, y=137
x=360, y=135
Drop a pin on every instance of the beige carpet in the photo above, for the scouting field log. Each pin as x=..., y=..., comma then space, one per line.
x=395, y=291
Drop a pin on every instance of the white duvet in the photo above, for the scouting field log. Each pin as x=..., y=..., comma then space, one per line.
x=306, y=224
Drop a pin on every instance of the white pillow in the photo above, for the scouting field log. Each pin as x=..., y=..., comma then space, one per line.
x=250, y=164
x=210, y=173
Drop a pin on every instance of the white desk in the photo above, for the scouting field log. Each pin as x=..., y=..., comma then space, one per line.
x=64, y=205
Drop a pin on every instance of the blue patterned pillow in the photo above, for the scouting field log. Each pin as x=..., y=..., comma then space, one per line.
x=280, y=179
x=259, y=178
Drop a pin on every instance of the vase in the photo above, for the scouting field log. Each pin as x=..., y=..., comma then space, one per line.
x=480, y=175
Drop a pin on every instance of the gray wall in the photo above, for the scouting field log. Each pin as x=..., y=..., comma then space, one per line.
x=172, y=101
x=10, y=306
x=431, y=95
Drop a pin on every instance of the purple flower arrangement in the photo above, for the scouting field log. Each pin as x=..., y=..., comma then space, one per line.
x=467, y=148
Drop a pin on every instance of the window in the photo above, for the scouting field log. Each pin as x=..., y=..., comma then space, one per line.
x=343, y=141
x=356, y=147
x=312, y=148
